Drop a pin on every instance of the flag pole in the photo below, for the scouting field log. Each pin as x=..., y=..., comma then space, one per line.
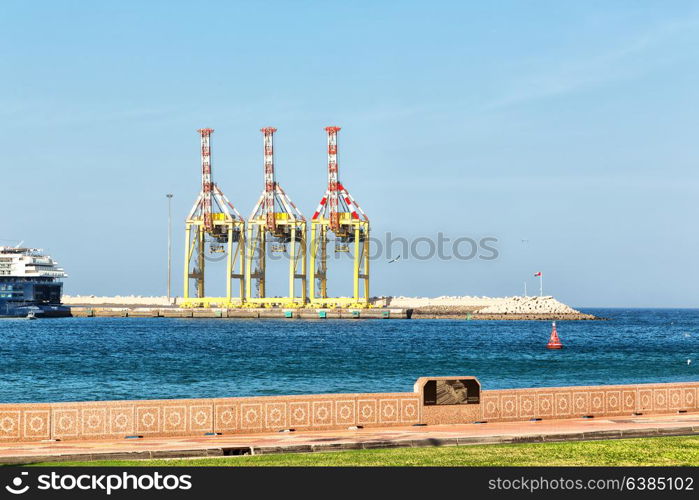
x=541, y=284
x=525, y=288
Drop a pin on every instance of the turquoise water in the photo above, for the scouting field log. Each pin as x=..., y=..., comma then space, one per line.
x=76, y=359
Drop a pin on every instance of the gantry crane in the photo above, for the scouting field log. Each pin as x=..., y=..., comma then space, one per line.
x=274, y=225
x=340, y=214
x=214, y=230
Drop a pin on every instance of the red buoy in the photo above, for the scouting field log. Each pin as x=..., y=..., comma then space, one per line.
x=554, y=341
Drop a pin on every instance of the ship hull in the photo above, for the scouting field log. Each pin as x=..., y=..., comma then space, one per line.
x=40, y=311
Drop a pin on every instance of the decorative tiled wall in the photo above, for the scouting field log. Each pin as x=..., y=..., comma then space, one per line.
x=192, y=417
x=188, y=417
x=575, y=402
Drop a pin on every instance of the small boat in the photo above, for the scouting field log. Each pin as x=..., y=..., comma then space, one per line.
x=31, y=315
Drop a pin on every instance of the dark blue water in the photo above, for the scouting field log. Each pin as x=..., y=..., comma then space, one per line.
x=76, y=359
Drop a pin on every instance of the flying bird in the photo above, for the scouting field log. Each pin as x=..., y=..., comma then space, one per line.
x=394, y=260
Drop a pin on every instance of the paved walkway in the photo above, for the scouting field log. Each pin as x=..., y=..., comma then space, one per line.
x=440, y=435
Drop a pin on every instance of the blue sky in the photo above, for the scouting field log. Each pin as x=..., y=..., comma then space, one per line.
x=567, y=130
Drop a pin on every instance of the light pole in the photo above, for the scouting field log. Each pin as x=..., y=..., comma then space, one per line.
x=169, y=244
x=540, y=275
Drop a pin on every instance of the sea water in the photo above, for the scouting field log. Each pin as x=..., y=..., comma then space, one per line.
x=82, y=359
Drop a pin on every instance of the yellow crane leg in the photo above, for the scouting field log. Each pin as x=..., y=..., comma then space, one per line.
x=248, y=263
x=357, y=260
x=292, y=264
x=304, y=282
x=241, y=261
x=366, y=263
x=229, y=263
x=201, y=262
x=312, y=270
x=187, y=257
x=324, y=260
x=262, y=248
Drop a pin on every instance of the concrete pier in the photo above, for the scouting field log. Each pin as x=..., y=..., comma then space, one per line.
x=446, y=307
x=272, y=313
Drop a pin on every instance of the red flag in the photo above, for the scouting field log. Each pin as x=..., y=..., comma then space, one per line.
x=538, y=274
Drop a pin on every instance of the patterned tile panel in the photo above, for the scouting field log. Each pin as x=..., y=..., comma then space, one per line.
x=66, y=423
x=226, y=417
x=597, y=406
x=94, y=421
x=660, y=400
x=201, y=418
x=545, y=404
x=346, y=412
x=322, y=413
x=563, y=404
x=367, y=412
x=37, y=424
x=581, y=403
x=629, y=401
x=389, y=411
x=575, y=402
x=275, y=416
x=10, y=424
x=490, y=407
x=675, y=398
x=644, y=400
x=251, y=417
x=300, y=414
x=613, y=402
x=148, y=419
x=175, y=418
x=508, y=406
x=409, y=410
x=689, y=395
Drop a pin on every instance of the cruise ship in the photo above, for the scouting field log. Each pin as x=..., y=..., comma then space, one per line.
x=30, y=284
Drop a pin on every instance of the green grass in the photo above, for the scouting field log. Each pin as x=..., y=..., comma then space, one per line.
x=647, y=451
